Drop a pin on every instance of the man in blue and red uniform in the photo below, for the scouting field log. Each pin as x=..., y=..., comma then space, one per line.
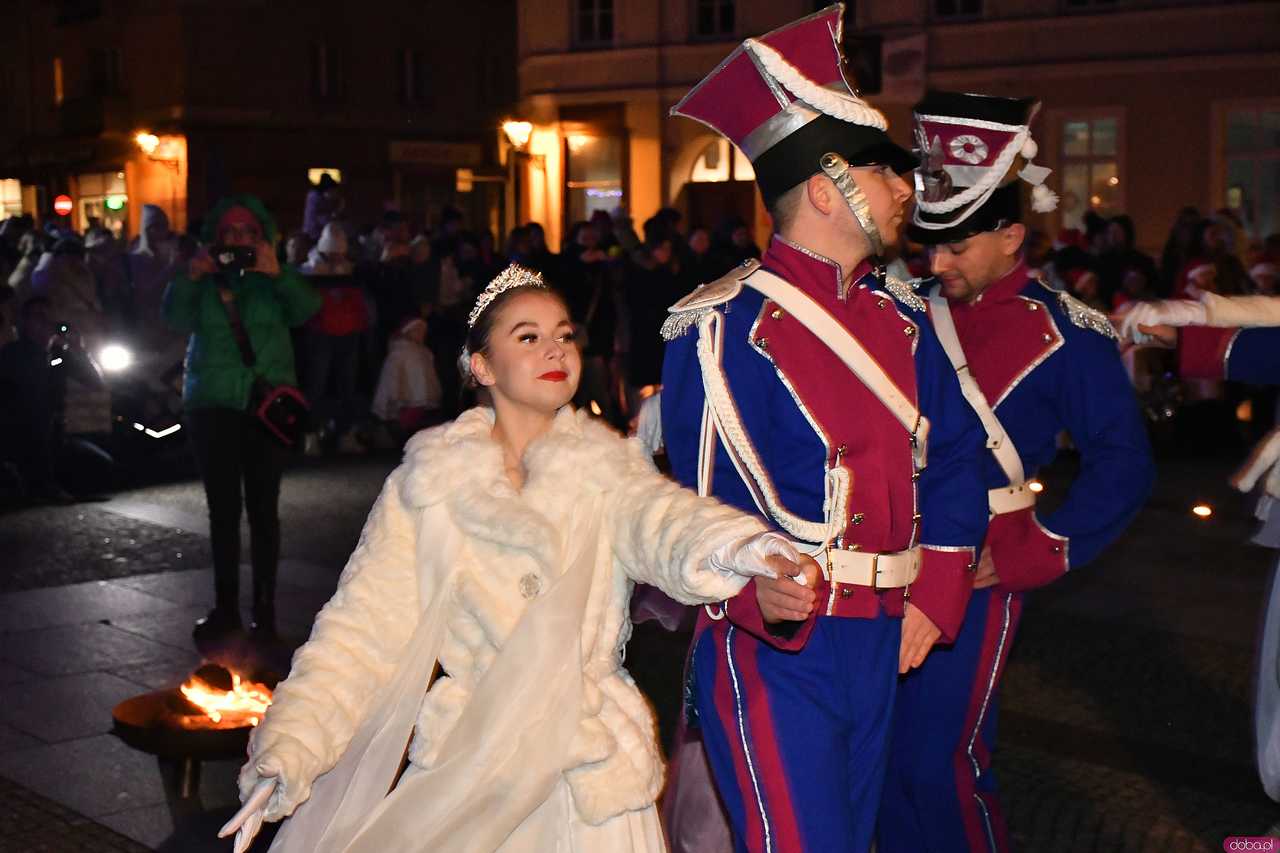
x=1033, y=362
x=854, y=439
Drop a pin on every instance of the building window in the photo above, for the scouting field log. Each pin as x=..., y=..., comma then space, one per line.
x=314, y=175
x=59, y=93
x=713, y=18
x=106, y=70
x=326, y=72
x=1252, y=166
x=1090, y=174
x=948, y=10
x=10, y=197
x=103, y=201
x=594, y=172
x=594, y=24
x=720, y=161
x=413, y=76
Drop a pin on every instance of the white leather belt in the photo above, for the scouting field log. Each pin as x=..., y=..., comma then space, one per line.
x=878, y=571
x=1010, y=499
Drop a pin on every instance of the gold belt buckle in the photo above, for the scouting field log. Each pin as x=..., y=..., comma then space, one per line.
x=875, y=571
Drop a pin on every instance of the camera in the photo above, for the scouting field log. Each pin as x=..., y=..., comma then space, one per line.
x=234, y=259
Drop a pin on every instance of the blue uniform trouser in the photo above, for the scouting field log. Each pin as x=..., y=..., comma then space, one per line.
x=798, y=741
x=940, y=793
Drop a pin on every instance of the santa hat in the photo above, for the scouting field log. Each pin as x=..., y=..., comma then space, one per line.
x=976, y=151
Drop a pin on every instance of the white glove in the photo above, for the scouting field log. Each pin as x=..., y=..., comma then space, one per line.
x=1168, y=312
x=748, y=556
x=248, y=821
x=649, y=424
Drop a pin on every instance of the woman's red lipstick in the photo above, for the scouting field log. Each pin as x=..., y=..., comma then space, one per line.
x=554, y=376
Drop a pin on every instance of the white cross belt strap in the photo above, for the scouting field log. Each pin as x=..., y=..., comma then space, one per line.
x=1016, y=495
x=839, y=340
x=878, y=571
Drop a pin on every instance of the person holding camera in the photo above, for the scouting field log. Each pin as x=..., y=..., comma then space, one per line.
x=238, y=304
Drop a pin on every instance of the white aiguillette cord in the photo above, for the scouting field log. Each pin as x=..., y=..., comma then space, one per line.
x=998, y=440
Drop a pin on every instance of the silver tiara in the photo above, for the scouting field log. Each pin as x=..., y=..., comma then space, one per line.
x=513, y=276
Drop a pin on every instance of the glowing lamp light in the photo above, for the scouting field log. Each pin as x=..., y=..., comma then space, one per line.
x=62, y=205
x=116, y=202
x=148, y=142
x=595, y=409
x=517, y=132
x=1035, y=486
x=114, y=358
x=1202, y=510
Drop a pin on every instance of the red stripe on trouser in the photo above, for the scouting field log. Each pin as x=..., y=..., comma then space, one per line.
x=981, y=814
x=743, y=706
x=726, y=711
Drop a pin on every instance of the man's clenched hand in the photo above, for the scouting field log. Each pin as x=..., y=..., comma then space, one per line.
x=782, y=599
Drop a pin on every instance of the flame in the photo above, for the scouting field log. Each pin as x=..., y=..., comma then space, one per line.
x=244, y=703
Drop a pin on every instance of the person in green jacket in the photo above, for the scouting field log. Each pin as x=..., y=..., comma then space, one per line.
x=230, y=445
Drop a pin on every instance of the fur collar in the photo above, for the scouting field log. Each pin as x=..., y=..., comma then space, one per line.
x=461, y=465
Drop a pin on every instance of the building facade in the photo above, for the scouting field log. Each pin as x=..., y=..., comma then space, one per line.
x=1147, y=106
x=118, y=103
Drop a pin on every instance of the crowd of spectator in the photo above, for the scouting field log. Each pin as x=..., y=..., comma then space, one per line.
x=378, y=360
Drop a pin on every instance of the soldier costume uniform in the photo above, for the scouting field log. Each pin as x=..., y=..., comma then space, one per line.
x=826, y=404
x=1033, y=362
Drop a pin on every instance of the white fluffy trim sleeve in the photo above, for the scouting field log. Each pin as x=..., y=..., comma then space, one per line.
x=353, y=649
x=664, y=534
x=1232, y=311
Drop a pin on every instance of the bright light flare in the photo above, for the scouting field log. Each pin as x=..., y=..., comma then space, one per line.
x=157, y=433
x=1035, y=486
x=1202, y=510
x=115, y=358
x=518, y=132
x=148, y=142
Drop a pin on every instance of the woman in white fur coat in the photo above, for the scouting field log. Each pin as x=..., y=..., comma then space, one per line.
x=505, y=548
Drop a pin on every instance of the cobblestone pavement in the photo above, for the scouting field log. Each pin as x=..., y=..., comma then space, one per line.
x=164, y=528
x=32, y=824
x=1125, y=716
x=89, y=543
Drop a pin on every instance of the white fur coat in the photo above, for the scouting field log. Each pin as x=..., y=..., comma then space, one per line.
x=453, y=475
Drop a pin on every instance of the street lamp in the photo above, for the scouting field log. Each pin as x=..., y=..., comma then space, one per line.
x=517, y=133
x=168, y=152
x=148, y=142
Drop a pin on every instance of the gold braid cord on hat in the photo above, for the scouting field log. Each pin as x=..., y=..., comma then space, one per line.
x=513, y=276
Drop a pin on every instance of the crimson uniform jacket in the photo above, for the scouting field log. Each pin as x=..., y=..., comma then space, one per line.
x=1241, y=355
x=804, y=412
x=1047, y=364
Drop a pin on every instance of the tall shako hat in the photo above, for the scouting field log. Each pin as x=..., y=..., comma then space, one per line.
x=975, y=151
x=784, y=99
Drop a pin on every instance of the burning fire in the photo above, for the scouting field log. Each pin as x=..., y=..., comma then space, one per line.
x=243, y=704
